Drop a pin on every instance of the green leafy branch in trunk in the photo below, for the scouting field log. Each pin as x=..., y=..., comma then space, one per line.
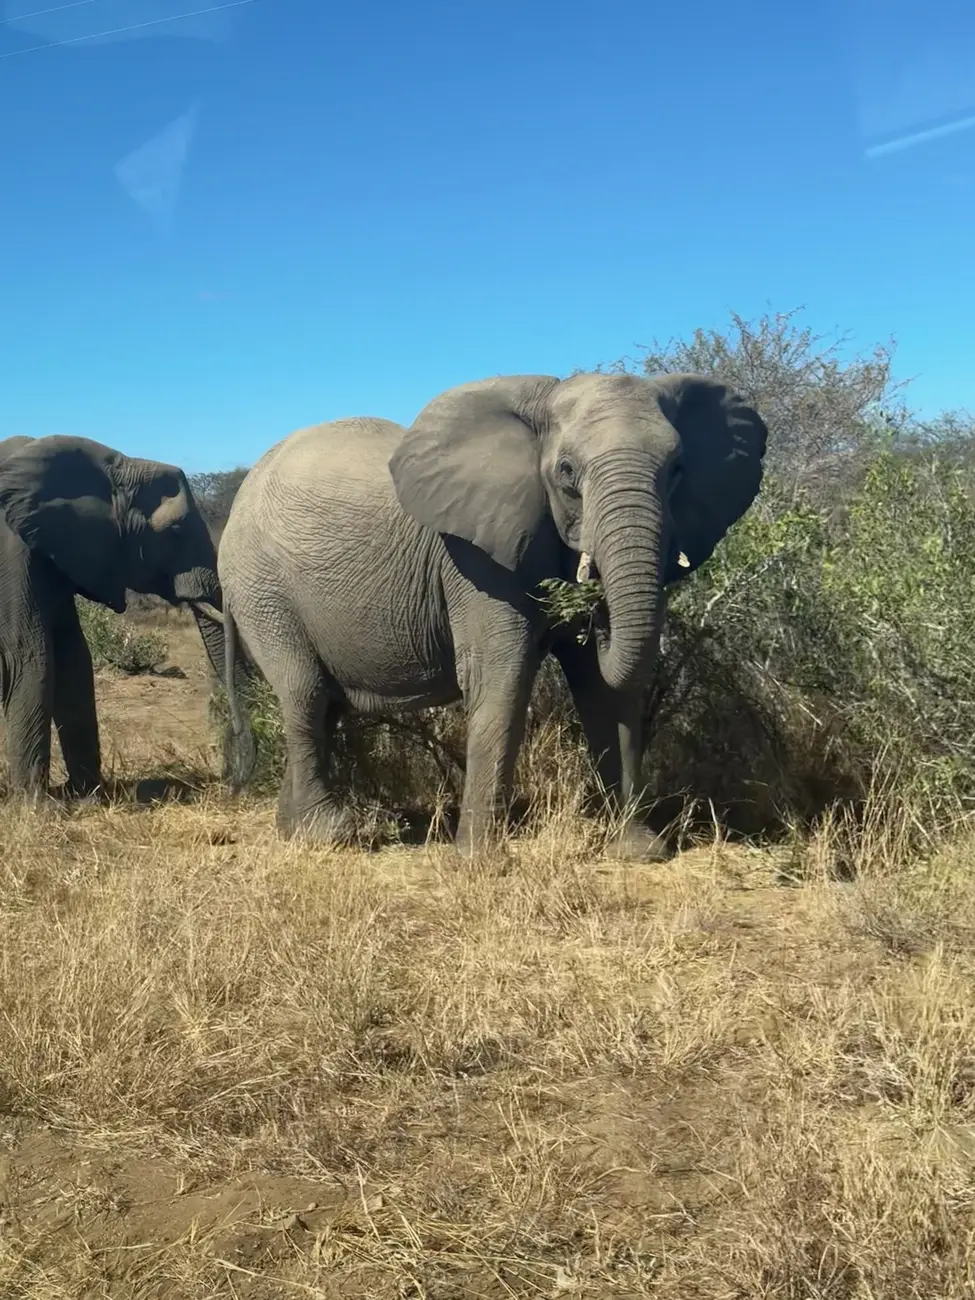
x=573, y=603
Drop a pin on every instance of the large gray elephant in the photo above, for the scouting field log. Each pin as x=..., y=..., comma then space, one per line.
x=373, y=567
x=79, y=518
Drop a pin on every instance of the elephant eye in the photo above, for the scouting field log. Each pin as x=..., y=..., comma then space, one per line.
x=566, y=472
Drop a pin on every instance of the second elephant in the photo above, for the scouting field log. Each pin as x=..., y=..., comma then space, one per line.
x=376, y=568
x=80, y=518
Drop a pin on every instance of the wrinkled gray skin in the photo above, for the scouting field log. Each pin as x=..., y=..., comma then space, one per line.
x=77, y=517
x=373, y=567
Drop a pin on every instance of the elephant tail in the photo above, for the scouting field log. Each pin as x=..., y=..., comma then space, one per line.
x=240, y=746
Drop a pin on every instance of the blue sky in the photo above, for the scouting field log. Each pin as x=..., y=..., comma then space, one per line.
x=220, y=228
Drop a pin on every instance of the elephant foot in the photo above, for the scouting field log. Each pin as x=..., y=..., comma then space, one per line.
x=329, y=825
x=638, y=843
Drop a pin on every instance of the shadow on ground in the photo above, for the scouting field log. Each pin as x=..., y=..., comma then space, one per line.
x=143, y=791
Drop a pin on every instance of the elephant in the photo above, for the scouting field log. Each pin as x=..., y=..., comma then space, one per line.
x=374, y=567
x=78, y=518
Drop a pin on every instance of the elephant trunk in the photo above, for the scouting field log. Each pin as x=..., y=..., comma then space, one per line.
x=627, y=510
x=211, y=634
x=199, y=587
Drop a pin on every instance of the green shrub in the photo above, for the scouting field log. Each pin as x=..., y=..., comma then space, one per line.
x=115, y=644
x=905, y=576
x=844, y=641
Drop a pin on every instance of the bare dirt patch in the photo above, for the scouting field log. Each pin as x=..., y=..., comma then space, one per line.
x=148, y=722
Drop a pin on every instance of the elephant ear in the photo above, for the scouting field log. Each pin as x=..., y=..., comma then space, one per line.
x=57, y=495
x=723, y=443
x=468, y=465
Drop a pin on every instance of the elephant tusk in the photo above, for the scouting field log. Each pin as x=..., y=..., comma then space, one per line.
x=207, y=610
x=585, y=565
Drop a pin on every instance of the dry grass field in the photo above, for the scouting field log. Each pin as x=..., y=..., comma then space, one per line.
x=233, y=1068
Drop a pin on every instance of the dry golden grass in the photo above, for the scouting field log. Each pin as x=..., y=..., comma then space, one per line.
x=230, y=1067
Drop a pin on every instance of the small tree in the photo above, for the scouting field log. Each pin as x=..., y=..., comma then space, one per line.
x=214, y=493
x=823, y=413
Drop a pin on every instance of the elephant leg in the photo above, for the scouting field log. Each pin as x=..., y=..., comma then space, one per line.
x=307, y=808
x=497, y=686
x=612, y=722
x=74, y=708
x=597, y=709
x=287, y=807
x=28, y=704
x=285, y=815
x=635, y=841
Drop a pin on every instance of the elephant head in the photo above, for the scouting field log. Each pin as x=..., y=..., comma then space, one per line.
x=636, y=473
x=110, y=522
